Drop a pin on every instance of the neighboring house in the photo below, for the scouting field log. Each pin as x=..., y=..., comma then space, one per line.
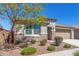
x=48, y=31
x=3, y=35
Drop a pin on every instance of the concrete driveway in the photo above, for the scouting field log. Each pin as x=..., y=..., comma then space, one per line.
x=65, y=52
x=74, y=42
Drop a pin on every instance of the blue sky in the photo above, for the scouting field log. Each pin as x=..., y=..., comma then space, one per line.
x=67, y=14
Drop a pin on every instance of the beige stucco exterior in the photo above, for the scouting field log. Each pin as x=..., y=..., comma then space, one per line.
x=62, y=31
x=65, y=32
x=41, y=36
x=38, y=38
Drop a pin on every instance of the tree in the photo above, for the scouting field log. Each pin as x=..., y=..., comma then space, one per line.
x=21, y=11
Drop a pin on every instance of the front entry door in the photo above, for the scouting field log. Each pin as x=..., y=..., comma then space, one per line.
x=49, y=33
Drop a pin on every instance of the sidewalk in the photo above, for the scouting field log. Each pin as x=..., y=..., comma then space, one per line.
x=61, y=53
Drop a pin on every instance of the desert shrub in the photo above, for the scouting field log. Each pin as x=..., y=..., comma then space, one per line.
x=24, y=45
x=17, y=42
x=76, y=53
x=58, y=40
x=51, y=48
x=28, y=51
x=33, y=41
x=67, y=45
x=43, y=42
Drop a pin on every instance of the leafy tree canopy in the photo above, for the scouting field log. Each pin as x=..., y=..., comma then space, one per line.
x=21, y=12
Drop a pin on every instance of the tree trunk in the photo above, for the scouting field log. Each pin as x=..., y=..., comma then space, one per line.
x=10, y=39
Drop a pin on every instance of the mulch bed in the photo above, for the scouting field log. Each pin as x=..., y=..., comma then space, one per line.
x=40, y=50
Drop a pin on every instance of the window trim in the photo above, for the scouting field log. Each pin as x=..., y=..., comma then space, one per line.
x=30, y=34
x=33, y=31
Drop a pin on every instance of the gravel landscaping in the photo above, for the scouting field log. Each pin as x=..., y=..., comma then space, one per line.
x=40, y=50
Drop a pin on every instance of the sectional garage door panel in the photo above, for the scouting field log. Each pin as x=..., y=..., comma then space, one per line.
x=63, y=33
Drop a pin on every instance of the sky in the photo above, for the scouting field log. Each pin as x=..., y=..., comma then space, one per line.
x=65, y=13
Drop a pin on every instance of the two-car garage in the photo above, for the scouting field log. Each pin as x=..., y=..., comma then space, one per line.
x=63, y=32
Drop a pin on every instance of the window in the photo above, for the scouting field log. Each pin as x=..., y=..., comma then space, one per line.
x=28, y=29
x=36, y=31
x=32, y=29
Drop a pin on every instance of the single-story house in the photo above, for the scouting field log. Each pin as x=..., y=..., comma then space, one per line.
x=37, y=32
x=48, y=31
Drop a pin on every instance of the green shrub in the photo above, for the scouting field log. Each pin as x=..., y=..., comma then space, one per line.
x=17, y=42
x=51, y=48
x=24, y=45
x=28, y=51
x=33, y=41
x=76, y=53
x=58, y=40
x=43, y=42
x=67, y=46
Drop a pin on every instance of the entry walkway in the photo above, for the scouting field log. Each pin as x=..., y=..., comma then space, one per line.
x=65, y=52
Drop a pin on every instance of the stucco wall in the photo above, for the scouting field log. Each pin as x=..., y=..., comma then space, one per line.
x=37, y=38
x=43, y=30
x=42, y=35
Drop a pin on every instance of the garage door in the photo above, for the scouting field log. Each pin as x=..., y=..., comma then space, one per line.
x=63, y=33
